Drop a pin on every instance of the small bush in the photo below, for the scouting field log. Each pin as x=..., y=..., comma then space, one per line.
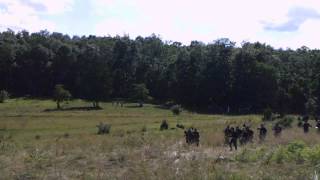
x=4, y=95
x=164, y=125
x=104, y=128
x=176, y=109
x=66, y=135
x=280, y=155
x=37, y=137
x=181, y=126
x=295, y=151
x=144, y=129
x=247, y=155
x=286, y=122
x=312, y=154
x=267, y=115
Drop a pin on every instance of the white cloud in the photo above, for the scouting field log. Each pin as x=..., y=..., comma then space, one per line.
x=206, y=20
x=55, y=6
x=25, y=14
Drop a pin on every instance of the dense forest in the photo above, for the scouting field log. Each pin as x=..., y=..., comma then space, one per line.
x=217, y=77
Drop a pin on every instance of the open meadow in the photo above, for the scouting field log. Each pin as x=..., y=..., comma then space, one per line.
x=37, y=143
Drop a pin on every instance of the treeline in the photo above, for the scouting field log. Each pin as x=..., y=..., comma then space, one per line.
x=217, y=77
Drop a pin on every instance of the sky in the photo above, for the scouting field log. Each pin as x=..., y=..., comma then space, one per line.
x=279, y=23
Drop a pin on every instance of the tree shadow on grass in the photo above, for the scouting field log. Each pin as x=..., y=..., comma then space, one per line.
x=74, y=109
x=133, y=106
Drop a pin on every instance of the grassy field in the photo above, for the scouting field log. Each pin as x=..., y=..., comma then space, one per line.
x=36, y=143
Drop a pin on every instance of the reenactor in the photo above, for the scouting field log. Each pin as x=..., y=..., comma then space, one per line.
x=262, y=132
x=189, y=135
x=196, y=137
x=277, y=130
x=243, y=137
x=164, y=125
x=318, y=126
x=233, y=139
x=227, y=134
x=238, y=131
x=306, y=127
x=250, y=134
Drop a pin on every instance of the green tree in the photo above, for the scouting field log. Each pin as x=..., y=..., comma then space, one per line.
x=96, y=80
x=4, y=95
x=60, y=94
x=140, y=93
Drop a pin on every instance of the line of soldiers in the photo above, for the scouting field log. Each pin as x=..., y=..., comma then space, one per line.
x=192, y=136
x=245, y=134
x=232, y=135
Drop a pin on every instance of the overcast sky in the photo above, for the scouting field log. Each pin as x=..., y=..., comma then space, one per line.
x=280, y=23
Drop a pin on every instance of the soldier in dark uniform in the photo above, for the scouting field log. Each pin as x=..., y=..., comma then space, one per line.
x=318, y=126
x=233, y=139
x=188, y=135
x=277, y=130
x=244, y=134
x=250, y=134
x=262, y=132
x=238, y=131
x=306, y=127
x=227, y=132
x=196, y=137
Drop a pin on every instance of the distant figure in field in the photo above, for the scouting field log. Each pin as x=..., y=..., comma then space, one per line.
x=192, y=136
x=277, y=130
x=227, y=134
x=238, y=131
x=306, y=127
x=250, y=134
x=233, y=139
x=262, y=132
x=118, y=103
x=318, y=126
x=244, y=134
x=164, y=125
x=196, y=137
x=187, y=136
x=247, y=135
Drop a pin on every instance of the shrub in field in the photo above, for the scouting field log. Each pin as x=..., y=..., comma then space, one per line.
x=37, y=137
x=295, y=151
x=164, y=125
x=312, y=154
x=176, y=109
x=267, y=114
x=104, y=128
x=280, y=155
x=144, y=128
x=181, y=126
x=286, y=121
x=66, y=135
x=247, y=155
x=4, y=95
